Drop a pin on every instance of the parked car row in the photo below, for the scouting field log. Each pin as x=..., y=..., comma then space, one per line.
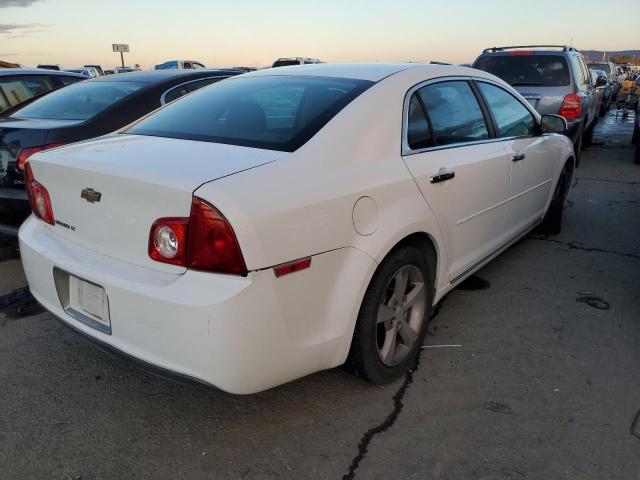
x=553, y=79
x=282, y=222
x=85, y=110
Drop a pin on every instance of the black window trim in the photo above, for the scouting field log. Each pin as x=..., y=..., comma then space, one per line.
x=170, y=89
x=406, y=150
x=525, y=104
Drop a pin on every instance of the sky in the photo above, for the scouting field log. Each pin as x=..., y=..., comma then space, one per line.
x=255, y=33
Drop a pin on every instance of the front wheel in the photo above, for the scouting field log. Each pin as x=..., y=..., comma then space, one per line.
x=394, y=316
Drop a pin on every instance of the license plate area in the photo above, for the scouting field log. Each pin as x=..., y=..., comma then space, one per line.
x=83, y=300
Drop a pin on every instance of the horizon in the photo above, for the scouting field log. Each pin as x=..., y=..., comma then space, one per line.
x=252, y=34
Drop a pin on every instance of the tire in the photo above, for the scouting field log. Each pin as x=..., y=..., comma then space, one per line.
x=381, y=351
x=552, y=222
x=636, y=157
x=577, y=150
x=588, y=134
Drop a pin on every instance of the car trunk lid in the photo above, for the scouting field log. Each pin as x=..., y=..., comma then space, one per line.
x=106, y=194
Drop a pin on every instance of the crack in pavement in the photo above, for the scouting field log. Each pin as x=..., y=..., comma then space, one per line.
x=635, y=426
x=605, y=180
x=576, y=246
x=365, y=440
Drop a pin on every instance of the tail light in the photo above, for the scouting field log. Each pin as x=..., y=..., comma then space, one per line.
x=38, y=198
x=571, y=106
x=204, y=241
x=25, y=153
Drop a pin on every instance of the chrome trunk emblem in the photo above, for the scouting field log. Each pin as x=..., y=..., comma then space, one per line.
x=90, y=195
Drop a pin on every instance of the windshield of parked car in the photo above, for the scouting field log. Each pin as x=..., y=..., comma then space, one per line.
x=167, y=65
x=519, y=69
x=270, y=112
x=601, y=66
x=79, y=101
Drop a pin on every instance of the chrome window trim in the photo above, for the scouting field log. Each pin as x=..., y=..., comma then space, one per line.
x=407, y=150
x=166, y=92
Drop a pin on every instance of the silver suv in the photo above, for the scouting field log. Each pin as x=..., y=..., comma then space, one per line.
x=554, y=79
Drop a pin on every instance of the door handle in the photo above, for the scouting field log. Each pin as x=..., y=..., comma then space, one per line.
x=518, y=156
x=442, y=177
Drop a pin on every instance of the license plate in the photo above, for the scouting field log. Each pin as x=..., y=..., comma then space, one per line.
x=83, y=300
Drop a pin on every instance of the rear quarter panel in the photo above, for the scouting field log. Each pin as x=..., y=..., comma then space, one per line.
x=303, y=205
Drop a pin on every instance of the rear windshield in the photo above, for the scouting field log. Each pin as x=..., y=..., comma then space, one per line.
x=270, y=112
x=79, y=101
x=600, y=66
x=527, y=70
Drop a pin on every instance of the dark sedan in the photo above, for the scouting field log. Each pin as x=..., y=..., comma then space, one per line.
x=85, y=110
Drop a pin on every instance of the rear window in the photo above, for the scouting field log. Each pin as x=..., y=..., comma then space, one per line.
x=527, y=70
x=285, y=63
x=17, y=89
x=80, y=101
x=601, y=66
x=270, y=112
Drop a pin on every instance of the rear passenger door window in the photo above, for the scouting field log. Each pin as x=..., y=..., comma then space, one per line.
x=454, y=113
x=511, y=117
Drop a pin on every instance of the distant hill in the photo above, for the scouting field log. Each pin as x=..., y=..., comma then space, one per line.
x=597, y=54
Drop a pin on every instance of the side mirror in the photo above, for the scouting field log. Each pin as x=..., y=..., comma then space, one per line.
x=553, y=124
x=601, y=81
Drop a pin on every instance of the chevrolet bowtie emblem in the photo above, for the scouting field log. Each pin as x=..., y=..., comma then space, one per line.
x=90, y=195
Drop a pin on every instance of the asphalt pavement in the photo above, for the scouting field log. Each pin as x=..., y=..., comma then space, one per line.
x=531, y=370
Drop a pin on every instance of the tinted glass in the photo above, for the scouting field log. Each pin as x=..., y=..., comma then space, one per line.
x=15, y=90
x=454, y=113
x=527, y=70
x=68, y=80
x=80, y=101
x=418, y=133
x=167, y=65
x=286, y=63
x=272, y=112
x=511, y=117
x=181, y=90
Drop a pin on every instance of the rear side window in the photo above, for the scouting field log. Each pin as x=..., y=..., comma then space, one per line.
x=454, y=113
x=512, y=118
x=271, y=112
x=418, y=132
x=17, y=89
x=68, y=80
x=180, y=90
x=80, y=101
x=527, y=70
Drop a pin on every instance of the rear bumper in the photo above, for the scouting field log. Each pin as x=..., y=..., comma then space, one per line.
x=242, y=335
x=14, y=209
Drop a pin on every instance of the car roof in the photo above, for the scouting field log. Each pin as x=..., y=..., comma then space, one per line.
x=361, y=71
x=36, y=71
x=158, y=76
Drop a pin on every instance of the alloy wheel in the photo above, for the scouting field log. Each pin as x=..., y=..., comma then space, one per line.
x=400, y=315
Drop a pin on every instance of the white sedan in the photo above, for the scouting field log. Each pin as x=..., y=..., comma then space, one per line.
x=284, y=221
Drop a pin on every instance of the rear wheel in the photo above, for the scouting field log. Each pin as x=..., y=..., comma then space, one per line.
x=588, y=134
x=577, y=150
x=636, y=158
x=552, y=222
x=393, y=318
